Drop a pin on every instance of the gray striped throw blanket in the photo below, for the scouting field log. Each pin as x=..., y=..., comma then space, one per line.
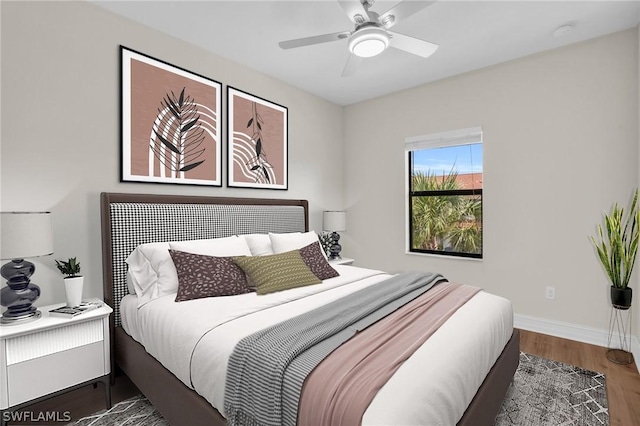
x=267, y=369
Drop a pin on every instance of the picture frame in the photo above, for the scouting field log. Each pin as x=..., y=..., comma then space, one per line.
x=257, y=142
x=170, y=123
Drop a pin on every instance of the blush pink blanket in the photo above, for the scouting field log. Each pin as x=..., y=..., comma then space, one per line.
x=339, y=390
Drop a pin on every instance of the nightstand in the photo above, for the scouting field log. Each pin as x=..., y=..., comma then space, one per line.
x=52, y=355
x=341, y=261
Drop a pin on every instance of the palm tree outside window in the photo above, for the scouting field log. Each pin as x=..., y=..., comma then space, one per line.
x=445, y=175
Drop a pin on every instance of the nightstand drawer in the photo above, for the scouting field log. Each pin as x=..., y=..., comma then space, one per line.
x=48, y=342
x=36, y=377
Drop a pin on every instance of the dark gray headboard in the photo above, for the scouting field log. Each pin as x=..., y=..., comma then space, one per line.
x=129, y=220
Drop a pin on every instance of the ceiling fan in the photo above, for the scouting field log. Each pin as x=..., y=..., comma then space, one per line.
x=371, y=35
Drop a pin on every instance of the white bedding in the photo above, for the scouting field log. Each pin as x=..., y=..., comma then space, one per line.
x=194, y=340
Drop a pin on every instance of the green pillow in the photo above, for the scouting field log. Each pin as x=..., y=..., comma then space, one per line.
x=276, y=272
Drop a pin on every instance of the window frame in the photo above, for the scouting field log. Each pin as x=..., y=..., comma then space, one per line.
x=440, y=140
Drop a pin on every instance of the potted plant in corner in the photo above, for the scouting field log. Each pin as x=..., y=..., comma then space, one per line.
x=73, y=281
x=617, y=249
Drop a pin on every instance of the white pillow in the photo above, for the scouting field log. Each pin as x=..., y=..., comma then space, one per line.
x=293, y=241
x=153, y=272
x=130, y=283
x=152, y=269
x=229, y=246
x=259, y=244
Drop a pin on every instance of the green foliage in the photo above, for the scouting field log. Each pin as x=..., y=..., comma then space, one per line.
x=454, y=221
x=617, y=248
x=70, y=268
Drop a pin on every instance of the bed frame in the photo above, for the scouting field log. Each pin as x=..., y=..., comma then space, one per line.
x=132, y=219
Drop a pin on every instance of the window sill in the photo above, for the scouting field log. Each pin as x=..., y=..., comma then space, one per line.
x=444, y=256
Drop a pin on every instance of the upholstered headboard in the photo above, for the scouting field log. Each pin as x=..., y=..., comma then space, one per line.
x=129, y=220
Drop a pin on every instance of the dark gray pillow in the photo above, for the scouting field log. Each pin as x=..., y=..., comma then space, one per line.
x=207, y=276
x=313, y=258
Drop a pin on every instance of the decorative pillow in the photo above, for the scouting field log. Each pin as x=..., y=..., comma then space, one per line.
x=292, y=241
x=259, y=244
x=154, y=273
x=207, y=276
x=313, y=258
x=277, y=272
x=228, y=246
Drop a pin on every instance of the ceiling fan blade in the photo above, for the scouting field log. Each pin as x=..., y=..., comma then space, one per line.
x=412, y=45
x=353, y=63
x=401, y=11
x=353, y=9
x=307, y=41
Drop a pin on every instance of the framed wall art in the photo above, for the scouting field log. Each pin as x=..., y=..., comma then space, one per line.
x=257, y=142
x=170, y=123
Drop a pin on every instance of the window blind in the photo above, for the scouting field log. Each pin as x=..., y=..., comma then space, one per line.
x=444, y=139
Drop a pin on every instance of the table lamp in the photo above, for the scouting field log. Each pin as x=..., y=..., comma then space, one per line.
x=23, y=235
x=334, y=221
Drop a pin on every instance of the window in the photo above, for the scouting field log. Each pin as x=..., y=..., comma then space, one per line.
x=444, y=174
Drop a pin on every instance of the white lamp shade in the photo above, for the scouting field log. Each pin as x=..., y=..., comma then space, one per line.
x=25, y=234
x=334, y=220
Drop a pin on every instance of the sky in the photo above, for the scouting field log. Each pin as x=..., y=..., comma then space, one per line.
x=465, y=159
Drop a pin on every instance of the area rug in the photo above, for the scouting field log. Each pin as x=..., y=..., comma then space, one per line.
x=543, y=393
x=136, y=411
x=550, y=393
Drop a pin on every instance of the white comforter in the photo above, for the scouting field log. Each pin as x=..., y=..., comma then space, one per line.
x=194, y=340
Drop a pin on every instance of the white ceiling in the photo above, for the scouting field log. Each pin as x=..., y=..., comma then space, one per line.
x=471, y=35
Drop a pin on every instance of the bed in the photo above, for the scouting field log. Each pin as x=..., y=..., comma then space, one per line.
x=129, y=220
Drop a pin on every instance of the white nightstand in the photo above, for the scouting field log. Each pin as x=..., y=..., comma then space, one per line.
x=52, y=355
x=341, y=261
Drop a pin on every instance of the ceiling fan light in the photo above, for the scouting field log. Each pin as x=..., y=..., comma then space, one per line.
x=369, y=42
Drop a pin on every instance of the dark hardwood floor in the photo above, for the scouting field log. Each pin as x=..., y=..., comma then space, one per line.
x=623, y=382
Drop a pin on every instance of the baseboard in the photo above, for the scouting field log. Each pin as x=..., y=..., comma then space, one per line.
x=593, y=336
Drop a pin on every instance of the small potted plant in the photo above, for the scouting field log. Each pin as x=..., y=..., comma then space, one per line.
x=73, y=281
x=617, y=249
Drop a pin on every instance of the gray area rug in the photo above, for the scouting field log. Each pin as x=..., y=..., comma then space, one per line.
x=543, y=393
x=136, y=411
x=550, y=393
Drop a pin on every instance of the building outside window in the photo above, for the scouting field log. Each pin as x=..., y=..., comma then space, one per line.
x=444, y=174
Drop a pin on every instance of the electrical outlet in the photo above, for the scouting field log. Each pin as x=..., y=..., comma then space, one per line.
x=550, y=293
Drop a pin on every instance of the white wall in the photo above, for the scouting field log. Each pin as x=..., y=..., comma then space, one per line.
x=561, y=133
x=61, y=118
x=560, y=146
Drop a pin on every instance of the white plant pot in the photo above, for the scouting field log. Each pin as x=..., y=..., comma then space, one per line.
x=73, y=288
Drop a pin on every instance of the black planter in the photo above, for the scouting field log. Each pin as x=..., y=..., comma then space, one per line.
x=621, y=297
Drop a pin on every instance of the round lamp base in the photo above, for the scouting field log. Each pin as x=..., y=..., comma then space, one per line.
x=22, y=319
